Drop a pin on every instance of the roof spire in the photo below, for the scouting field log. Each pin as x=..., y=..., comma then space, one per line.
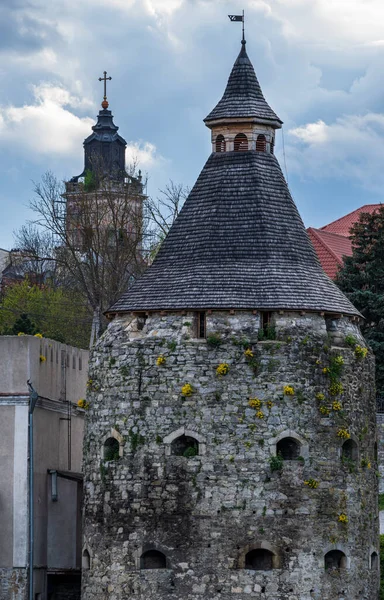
x=105, y=103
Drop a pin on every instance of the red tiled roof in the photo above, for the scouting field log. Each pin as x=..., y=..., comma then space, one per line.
x=330, y=249
x=343, y=225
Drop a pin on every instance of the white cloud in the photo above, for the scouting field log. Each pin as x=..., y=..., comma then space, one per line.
x=350, y=148
x=142, y=154
x=47, y=126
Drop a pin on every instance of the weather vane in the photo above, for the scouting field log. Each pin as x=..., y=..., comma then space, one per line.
x=105, y=104
x=239, y=18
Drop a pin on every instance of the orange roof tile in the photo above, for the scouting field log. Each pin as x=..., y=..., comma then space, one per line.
x=343, y=225
x=330, y=249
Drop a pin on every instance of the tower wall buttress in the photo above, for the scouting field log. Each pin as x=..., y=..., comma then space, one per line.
x=164, y=520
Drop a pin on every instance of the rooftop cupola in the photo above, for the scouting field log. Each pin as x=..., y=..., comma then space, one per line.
x=243, y=120
x=104, y=149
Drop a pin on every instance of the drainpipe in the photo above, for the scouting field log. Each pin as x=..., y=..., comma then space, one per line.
x=33, y=396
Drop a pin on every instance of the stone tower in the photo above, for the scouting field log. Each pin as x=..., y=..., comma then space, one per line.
x=230, y=450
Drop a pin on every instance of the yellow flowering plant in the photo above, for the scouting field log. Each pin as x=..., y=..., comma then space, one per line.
x=161, y=360
x=342, y=518
x=312, y=483
x=336, y=405
x=42, y=358
x=336, y=388
x=254, y=403
x=260, y=414
x=187, y=389
x=289, y=390
x=222, y=369
x=82, y=403
x=248, y=353
x=269, y=404
x=324, y=410
x=360, y=351
x=320, y=396
x=21, y=333
x=38, y=335
x=343, y=433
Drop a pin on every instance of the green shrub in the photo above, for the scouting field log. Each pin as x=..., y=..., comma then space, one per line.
x=214, y=340
x=276, y=462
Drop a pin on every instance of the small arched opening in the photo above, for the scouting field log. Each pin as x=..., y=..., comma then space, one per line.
x=220, y=143
x=259, y=560
x=153, y=559
x=185, y=445
x=85, y=560
x=288, y=448
x=261, y=143
x=374, y=561
x=240, y=143
x=349, y=451
x=111, y=449
x=335, y=559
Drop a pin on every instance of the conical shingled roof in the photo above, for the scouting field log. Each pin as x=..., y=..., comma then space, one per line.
x=243, y=96
x=238, y=243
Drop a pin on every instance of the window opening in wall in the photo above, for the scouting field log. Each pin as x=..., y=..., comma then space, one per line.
x=85, y=561
x=272, y=145
x=375, y=452
x=261, y=143
x=140, y=320
x=374, y=561
x=185, y=445
x=267, y=330
x=220, y=143
x=349, y=451
x=335, y=559
x=201, y=324
x=153, y=559
x=259, y=560
x=80, y=363
x=288, y=448
x=240, y=143
x=111, y=449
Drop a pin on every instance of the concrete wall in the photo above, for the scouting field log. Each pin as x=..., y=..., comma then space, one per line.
x=7, y=419
x=59, y=375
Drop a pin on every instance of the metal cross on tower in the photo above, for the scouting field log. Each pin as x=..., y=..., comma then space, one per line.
x=105, y=79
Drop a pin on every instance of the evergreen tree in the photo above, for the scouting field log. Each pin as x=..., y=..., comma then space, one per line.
x=362, y=280
x=23, y=325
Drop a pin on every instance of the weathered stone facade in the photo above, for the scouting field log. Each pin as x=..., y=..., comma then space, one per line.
x=14, y=584
x=205, y=513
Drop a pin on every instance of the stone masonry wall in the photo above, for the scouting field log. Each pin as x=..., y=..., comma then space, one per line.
x=206, y=512
x=14, y=584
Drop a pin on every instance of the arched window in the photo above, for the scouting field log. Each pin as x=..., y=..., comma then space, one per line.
x=288, y=448
x=335, y=559
x=240, y=143
x=374, y=561
x=85, y=561
x=220, y=143
x=111, y=449
x=153, y=559
x=261, y=143
x=185, y=445
x=349, y=451
x=259, y=560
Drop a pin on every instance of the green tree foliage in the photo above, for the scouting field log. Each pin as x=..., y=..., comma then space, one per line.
x=55, y=313
x=362, y=280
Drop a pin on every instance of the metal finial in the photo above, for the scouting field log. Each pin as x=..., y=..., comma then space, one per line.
x=104, y=104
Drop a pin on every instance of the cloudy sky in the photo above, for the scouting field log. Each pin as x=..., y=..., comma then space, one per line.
x=319, y=62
